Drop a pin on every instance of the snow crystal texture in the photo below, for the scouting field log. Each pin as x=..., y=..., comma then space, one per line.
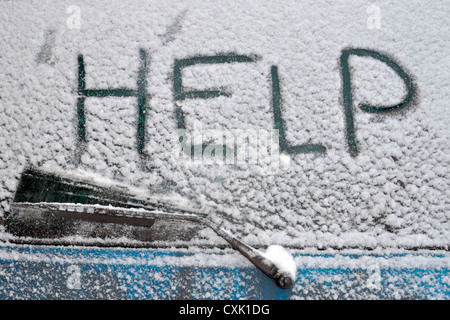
x=394, y=193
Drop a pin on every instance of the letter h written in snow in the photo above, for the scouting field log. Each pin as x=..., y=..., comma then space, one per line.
x=140, y=93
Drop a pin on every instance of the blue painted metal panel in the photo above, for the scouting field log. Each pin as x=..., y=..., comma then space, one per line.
x=40, y=272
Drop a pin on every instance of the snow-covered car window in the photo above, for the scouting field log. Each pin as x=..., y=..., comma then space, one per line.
x=302, y=125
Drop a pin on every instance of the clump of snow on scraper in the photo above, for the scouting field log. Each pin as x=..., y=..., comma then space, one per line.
x=282, y=259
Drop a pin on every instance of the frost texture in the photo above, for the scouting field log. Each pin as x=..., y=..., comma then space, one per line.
x=395, y=193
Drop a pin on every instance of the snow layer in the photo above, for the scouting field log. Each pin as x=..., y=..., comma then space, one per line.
x=395, y=193
x=282, y=259
x=33, y=272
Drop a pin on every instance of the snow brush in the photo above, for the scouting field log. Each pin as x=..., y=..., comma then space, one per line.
x=52, y=208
